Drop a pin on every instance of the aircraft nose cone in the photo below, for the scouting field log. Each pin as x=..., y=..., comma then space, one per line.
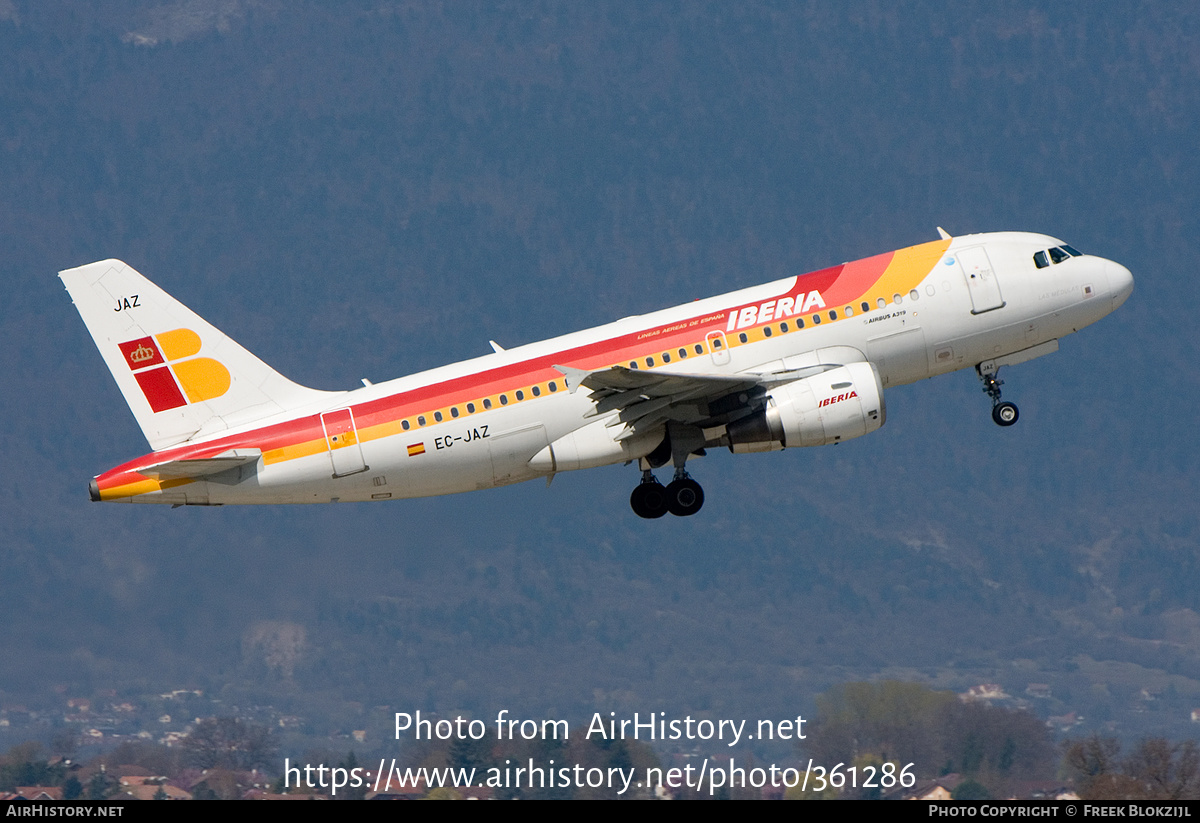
x=1120, y=283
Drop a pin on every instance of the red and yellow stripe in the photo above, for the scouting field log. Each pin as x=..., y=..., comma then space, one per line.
x=849, y=284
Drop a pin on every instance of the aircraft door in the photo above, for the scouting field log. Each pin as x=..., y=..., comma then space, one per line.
x=341, y=438
x=718, y=346
x=981, y=280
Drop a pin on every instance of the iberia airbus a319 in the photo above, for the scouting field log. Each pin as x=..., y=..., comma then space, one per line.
x=802, y=361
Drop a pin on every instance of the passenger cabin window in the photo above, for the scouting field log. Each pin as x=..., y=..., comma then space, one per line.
x=699, y=348
x=487, y=402
x=404, y=425
x=470, y=408
x=766, y=331
x=437, y=416
x=537, y=391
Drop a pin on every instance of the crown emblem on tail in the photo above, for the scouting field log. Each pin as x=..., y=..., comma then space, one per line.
x=141, y=354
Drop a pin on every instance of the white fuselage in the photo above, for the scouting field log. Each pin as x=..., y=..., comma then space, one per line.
x=959, y=314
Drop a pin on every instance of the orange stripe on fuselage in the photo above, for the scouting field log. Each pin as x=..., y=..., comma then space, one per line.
x=898, y=271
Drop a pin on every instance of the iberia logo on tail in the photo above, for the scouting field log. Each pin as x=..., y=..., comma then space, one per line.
x=169, y=374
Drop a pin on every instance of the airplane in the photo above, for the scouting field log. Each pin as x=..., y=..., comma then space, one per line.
x=802, y=361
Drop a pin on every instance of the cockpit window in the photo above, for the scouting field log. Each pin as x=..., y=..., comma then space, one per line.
x=1040, y=260
x=1058, y=255
x=1072, y=251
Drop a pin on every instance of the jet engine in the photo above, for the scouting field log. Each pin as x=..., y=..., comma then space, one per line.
x=830, y=407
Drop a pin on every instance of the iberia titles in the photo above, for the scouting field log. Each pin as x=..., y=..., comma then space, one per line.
x=774, y=309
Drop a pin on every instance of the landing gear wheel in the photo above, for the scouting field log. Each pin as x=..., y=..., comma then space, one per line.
x=649, y=500
x=684, y=497
x=1005, y=414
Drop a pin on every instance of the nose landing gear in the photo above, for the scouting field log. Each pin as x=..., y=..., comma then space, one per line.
x=1003, y=412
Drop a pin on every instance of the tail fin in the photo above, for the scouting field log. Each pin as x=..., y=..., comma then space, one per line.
x=182, y=378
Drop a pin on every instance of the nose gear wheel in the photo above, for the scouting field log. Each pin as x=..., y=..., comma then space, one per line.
x=1003, y=412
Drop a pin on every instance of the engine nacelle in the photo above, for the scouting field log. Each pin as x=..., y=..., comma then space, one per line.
x=836, y=405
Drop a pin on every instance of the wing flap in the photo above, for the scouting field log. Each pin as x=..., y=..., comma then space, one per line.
x=644, y=400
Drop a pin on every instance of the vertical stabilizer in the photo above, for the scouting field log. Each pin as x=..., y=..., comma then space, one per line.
x=182, y=378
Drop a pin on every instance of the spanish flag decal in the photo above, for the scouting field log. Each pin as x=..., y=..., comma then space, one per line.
x=415, y=449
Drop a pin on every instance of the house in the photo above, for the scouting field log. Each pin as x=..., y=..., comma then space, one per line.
x=938, y=788
x=985, y=691
x=145, y=787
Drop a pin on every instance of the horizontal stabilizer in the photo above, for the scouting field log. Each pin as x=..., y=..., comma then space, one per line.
x=202, y=467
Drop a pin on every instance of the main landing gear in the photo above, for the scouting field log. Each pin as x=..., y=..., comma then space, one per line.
x=683, y=497
x=1003, y=412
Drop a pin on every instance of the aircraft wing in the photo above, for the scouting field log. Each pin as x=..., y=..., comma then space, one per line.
x=201, y=467
x=643, y=400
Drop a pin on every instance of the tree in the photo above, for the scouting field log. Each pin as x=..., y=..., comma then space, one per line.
x=228, y=743
x=911, y=723
x=970, y=790
x=101, y=786
x=350, y=764
x=1167, y=772
x=1092, y=757
x=23, y=765
x=1155, y=770
x=72, y=788
x=892, y=719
